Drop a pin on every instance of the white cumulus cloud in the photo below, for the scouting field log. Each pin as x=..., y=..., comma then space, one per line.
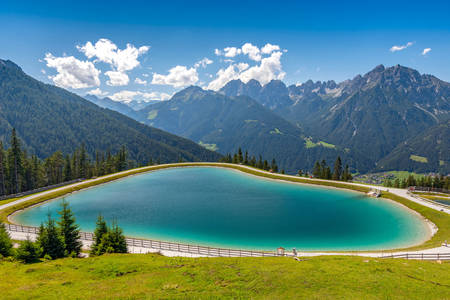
x=127, y=96
x=252, y=51
x=225, y=75
x=97, y=92
x=178, y=76
x=425, y=51
x=269, y=48
x=140, y=81
x=73, y=73
x=120, y=60
x=106, y=51
x=203, y=63
x=401, y=47
x=268, y=69
x=117, y=78
x=231, y=51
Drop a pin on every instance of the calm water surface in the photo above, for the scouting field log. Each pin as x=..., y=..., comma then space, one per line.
x=222, y=207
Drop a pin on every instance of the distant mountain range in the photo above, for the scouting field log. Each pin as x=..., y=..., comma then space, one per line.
x=371, y=114
x=388, y=119
x=224, y=124
x=48, y=118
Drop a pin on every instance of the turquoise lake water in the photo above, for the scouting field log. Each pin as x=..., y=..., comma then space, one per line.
x=223, y=207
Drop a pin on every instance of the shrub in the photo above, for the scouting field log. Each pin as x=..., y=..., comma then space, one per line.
x=5, y=242
x=28, y=252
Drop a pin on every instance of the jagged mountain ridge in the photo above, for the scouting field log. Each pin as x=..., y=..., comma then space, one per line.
x=372, y=113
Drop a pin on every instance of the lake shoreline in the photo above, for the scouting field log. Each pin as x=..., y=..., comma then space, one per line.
x=431, y=228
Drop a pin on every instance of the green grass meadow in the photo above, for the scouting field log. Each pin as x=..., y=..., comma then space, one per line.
x=152, y=276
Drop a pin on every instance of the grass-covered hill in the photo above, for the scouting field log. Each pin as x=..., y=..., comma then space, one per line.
x=152, y=276
x=48, y=119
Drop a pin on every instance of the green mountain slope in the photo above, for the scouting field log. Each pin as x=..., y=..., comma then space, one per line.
x=427, y=152
x=48, y=118
x=227, y=123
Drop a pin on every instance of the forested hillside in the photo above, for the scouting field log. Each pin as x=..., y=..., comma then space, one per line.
x=225, y=124
x=426, y=152
x=49, y=119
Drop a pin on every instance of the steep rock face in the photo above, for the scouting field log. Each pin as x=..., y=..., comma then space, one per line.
x=273, y=95
x=48, y=119
x=374, y=112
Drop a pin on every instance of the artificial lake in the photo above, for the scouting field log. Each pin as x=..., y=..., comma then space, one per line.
x=227, y=208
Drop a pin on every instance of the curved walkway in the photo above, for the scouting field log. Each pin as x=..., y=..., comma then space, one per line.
x=443, y=250
x=400, y=192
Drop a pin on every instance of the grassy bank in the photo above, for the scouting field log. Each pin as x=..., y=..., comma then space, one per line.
x=157, y=277
x=440, y=219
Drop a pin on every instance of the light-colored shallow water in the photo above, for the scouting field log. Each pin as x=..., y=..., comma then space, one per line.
x=227, y=208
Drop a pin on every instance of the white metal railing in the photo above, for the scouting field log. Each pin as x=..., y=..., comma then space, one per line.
x=212, y=251
x=160, y=245
x=420, y=256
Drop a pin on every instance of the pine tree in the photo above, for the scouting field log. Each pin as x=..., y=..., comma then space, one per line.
x=118, y=239
x=260, y=164
x=69, y=230
x=50, y=240
x=317, y=170
x=387, y=183
x=240, y=157
x=100, y=230
x=337, y=172
x=274, y=166
x=6, y=245
x=15, y=162
x=2, y=171
x=411, y=181
x=28, y=252
x=324, y=167
x=266, y=165
x=67, y=169
x=82, y=163
x=346, y=175
x=327, y=173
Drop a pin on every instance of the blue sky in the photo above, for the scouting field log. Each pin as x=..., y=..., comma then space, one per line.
x=82, y=45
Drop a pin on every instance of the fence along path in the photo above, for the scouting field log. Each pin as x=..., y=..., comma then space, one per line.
x=160, y=245
x=218, y=252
